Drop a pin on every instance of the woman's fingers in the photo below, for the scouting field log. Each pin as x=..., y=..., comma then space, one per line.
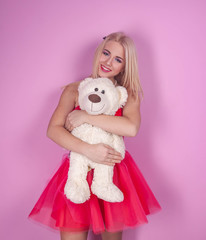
x=76, y=118
x=113, y=160
x=68, y=124
x=113, y=154
x=108, y=163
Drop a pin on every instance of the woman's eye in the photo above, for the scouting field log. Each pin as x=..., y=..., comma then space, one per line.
x=105, y=53
x=118, y=60
x=96, y=89
x=103, y=92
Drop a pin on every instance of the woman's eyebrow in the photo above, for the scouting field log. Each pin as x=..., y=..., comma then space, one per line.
x=110, y=52
x=120, y=57
x=106, y=50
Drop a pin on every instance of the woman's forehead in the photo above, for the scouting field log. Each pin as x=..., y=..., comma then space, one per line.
x=115, y=48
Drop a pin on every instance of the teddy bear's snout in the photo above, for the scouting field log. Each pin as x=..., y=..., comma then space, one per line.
x=94, y=98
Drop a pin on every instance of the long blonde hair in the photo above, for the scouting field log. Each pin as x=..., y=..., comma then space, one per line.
x=129, y=78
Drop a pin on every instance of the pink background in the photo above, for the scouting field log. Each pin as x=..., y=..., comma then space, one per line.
x=47, y=44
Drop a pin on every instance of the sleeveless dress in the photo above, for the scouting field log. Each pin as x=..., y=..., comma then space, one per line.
x=56, y=211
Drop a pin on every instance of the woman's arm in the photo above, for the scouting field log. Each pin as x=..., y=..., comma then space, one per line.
x=126, y=125
x=56, y=131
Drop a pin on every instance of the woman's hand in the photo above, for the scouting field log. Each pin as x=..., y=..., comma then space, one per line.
x=75, y=119
x=100, y=153
x=104, y=154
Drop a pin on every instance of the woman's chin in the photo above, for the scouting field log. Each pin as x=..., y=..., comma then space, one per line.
x=105, y=76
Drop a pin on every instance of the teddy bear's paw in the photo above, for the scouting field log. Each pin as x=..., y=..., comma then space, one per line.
x=77, y=192
x=109, y=193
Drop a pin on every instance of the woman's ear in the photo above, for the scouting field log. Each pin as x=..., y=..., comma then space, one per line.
x=122, y=95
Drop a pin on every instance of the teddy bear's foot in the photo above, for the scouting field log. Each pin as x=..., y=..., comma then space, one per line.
x=77, y=191
x=109, y=193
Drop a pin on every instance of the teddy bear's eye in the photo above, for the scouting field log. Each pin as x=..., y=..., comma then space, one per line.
x=103, y=92
x=96, y=89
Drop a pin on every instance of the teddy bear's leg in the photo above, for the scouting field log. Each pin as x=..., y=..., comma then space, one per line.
x=77, y=188
x=103, y=185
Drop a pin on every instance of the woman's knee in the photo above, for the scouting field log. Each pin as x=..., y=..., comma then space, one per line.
x=73, y=235
x=111, y=236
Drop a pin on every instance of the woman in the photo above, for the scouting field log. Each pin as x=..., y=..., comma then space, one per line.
x=115, y=58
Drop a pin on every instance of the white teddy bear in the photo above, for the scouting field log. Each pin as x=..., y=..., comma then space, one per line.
x=96, y=96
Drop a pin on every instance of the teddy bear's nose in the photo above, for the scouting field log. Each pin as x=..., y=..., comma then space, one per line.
x=94, y=98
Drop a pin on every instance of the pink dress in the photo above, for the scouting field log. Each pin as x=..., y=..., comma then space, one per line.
x=56, y=211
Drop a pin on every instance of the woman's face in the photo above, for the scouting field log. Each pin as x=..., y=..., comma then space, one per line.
x=112, y=60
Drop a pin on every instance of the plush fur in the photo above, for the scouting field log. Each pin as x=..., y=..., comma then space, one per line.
x=96, y=96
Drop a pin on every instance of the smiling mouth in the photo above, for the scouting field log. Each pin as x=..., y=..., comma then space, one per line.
x=96, y=110
x=105, y=69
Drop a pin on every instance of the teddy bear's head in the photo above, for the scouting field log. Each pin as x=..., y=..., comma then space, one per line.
x=99, y=95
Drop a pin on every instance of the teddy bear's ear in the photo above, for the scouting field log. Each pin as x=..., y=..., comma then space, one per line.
x=83, y=83
x=122, y=95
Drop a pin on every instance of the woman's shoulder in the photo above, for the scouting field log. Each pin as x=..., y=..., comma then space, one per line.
x=72, y=87
x=71, y=91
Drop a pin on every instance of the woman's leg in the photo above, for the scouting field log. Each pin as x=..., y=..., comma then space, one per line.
x=73, y=235
x=112, y=236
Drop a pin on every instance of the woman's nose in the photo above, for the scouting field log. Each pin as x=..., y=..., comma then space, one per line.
x=109, y=61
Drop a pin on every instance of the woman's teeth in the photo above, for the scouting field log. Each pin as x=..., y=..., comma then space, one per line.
x=105, y=69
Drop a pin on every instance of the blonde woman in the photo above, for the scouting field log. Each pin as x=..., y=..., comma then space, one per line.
x=115, y=58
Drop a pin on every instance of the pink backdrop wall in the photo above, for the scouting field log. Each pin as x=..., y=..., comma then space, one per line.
x=47, y=44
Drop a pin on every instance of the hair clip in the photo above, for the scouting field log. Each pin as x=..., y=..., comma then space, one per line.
x=104, y=37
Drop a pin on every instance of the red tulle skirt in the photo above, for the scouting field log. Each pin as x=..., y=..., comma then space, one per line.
x=55, y=210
